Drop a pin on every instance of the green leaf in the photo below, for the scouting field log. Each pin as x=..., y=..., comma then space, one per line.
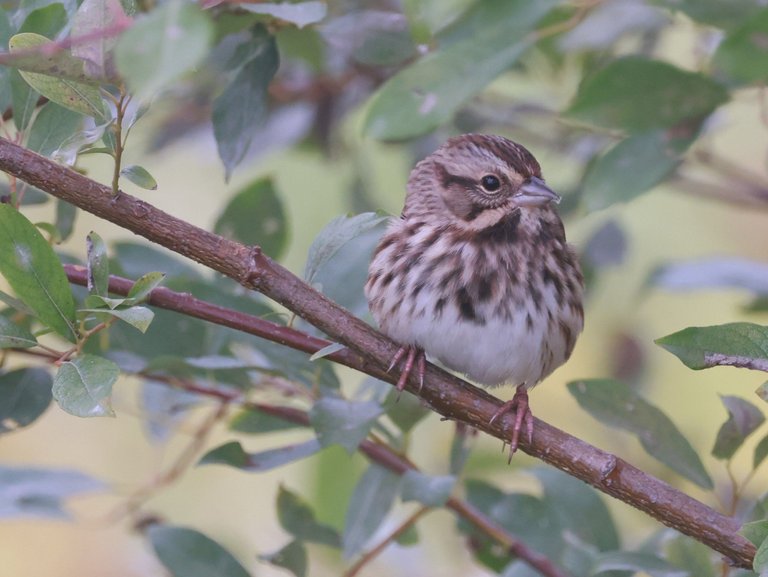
x=292, y=557
x=615, y=404
x=631, y=561
x=345, y=423
x=634, y=166
x=159, y=48
x=12, y=336
x=734, y=345
x=690, y=555
x=371, y=37
x=98, y=265
x=52, y=127
x=715, y=12
x=24, y=395
x=46, y=21
x=327, y=350
x=743, y=53
x=232, y=454
x=255, y=216
x=762, y=391
x=189, y=553
x=670, y=96
x=142, y=288
x=34, y=272
x=371, y=500
x=761, y=452
x=429, y=490
x=83, y=386
x=65, y=218
x=755, y=532
x=139, y=176
x=336, y=234
x=301, y=13
x=760, y=562
x=404, y=410
x=38, y=493
x=242, y=107
x=91, y=20
x=137, y=316
x=24, y=100
x=71, y=94
x=298, y=519
x=579, y=509
x=426, y=94
x=255, y=422
x=743, y=419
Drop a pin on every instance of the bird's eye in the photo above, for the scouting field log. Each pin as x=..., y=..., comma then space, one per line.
x=490, y=183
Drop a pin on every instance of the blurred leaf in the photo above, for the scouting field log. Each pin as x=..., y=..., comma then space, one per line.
x=371, y=500
x=242, y=107
x=232, y=454
x=46, y=20
x=254, y=422
x=255, y=216
x=345, y=423
x=98, y=265
x=733, y=344
x=24, y=100
x=634, y=166
x=371, y=37
x=24, y=395
x=460, y=450
x=608, y=22
x=706, y=273
x=163, y=407
x=615, y=404
x=301, y=13
x=743, y=53
x=162, y=46
x=83, y=386
x=298, y=519
x=760, y=562
x=71, y=94
x=91, y=20
x=631, y=561
x=609, y=98
x=429, y=490
x=409, y=537
x=142, y=288
x=327, y=350
x=139, y=176
x=133, y=259
x=762, y=391
x=715, y=12
x=761, y=452
x=37, y=493
x=690, y=555
x=137, y=316
x=607, y=246
x=743, y=419
x=34, y=272
x=404, y=409
x=292, y=557
x=579, y=509
x=755, y=532
x=427, y=93
x=12, y=336
x=65, y=218
x=336, y=234
x=189, y=553
x=53, y=125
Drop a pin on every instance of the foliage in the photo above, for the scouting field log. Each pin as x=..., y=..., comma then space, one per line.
x=592, y=82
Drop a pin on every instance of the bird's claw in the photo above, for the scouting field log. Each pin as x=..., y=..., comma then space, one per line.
x=523, y=416
x=414, y=356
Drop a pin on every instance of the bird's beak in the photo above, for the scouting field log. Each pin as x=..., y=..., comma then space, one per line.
x=534, y=192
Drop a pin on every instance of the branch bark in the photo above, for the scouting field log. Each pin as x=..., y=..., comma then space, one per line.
x=447, y=395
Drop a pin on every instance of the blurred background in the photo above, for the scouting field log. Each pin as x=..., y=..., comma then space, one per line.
x=316, y=146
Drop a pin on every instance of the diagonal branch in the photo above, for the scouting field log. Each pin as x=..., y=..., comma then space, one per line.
x=447, y=395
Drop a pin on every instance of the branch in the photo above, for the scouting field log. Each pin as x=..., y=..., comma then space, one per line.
x=447, y=395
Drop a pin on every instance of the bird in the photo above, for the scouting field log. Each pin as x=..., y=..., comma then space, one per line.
x=476, y=273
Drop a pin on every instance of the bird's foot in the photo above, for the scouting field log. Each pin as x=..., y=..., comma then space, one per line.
x=415, y=356
x=523, y=416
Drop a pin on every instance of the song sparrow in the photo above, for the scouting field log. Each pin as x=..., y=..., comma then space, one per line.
x=477, y=273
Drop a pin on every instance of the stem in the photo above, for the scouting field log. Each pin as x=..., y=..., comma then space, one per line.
x=118, y=130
